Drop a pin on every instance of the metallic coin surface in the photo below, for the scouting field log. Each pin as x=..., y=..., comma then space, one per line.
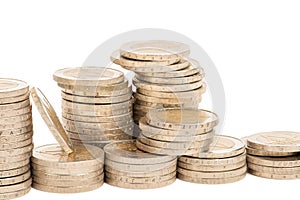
x=211, y=168
x=289, y=161
x=12, y=88
x=15, y=194
x=14, y=172
x=16, y=187
x=274, y=170
x=14, y=165
x=16, y=179
x=209, y=180
x=18, y=151
x=274, y=176
x=17, y=112
x=8, y=100
x=14, y=106
x=173, y=81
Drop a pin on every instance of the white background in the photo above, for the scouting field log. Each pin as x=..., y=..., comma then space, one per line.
x=254, y=44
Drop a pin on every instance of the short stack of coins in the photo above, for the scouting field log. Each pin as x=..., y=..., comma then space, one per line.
x=127, y=167
x=274, y=155
x=224, y=162
x=16, y=132
x=165, y=76
x=174, y=131
x=56, y=171
x=96, y=104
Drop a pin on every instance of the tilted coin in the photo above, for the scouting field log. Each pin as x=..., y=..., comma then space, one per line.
x=18, y=151
x=14, y=106
x=212, y=168
x=8, y=100
x=127, y=152
x=49, y=116
x=278, y=141
x=17, y=131
x=274, y=176
x=15, y=180
x=15, y=119
x=7, y=146
x=17, y=112
x=154, y=50
x=12, y=88
x=14, y=172
x=274, y=170
x=88, y=76
x=14, y=165
x=186, y=119
x=15, y=194
x=171, y=81
x=210, y=180
x=289, y=161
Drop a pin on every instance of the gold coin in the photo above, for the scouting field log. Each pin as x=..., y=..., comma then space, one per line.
x=139, y=185
x=289, y=161
x=17, y=131
x=53, y=155
x=12, y=88
x=8, y=100
x=49, y=116
x=16, y=119
x=184, y=119
x=77, y=177
x=274, y=176
x=21, y=124
x=15, y=194
x=278, y=141
x=154, y=50
x=88, y=76
x=65, y=190
x=15, y=158
x=14, y=172
x=127, y=152
x=14, y=106
x=16, y=187
x=16, y=138
x=14, y=165
x=15, y=179
x=17, y=112
x=173, y=81
x=211, y=168
x=210, y=180
x=7, y=146
x=18, y=151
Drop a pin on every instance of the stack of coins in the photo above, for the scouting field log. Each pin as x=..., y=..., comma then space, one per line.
x=224, y=162
x=127, y=167
x=56, y=171
x=165, y=76
x=16, y=138
x=175, y=131
x=274, y=155
x=96, y=104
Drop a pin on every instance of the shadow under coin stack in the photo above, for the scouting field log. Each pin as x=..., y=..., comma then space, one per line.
x=172, y=131
x=63, y=167
x=165, y=76
x=16, y=139
x=96, y=104
x=224, y=162
x=274, y=155
x=127, y=167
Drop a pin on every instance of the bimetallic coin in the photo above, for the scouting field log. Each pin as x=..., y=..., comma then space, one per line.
x=12, y=88
x=16, y=187
x=16, y=119
x=209, y=180
x=289, y=161
x=68, y=177
x=21, y=124
x=274, y=176
x=127, y=129
x=14, y=106
x=7, y=146
x=14, y=172
x=99, y=137
x=14, y=165
x=8, y=100
x=17, y=112
x=17, y=131
x=18, y=151
x=16, y=138
x=171, y=81
x=15, y=180
x=16, y=158
x=274, y=170
x=212, y=168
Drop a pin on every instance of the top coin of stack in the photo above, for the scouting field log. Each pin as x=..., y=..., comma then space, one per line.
x=224, y=162
x=16, y=138
x=96, y=103
x=165, y=76
x=127, y=167
x=274, y=155
x=175, y=131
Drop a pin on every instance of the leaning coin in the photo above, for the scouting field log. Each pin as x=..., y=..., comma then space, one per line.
x=210, y=181
x=12, y=88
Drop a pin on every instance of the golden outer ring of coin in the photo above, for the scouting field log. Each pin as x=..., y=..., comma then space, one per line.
x=100, y=75
x=290, y=161
x=15, y=180
x=154, y=50
x=18, y=151
x=211, y=168
x=14, y=165
x=274, y=170
x=16, y=187
x=187, y=94
x=256, y=142
x=95, y=119
x=171, y=81
x=273, y=175
x=18, y=125
x=14, y=106
x=92, y=125
x=106, y=131
x=115, y=153
x=16, y=138
x=213, y=175
x=14, y=172
x=68, y=183
x=13, y=113
x=17, y=131
x=139, y=186
x=9, y=100
x=96, y=100
x=16, y=119
x=15, y=158
x=213, y=162
x=138, y=168
x=15, y=194
x=98, y=93
x=210, y=181
x=66, y=190
x=91, y=139
x=145, y=180
x=7, y=146
x=166, y=170
x=13, y=88
x=42, y=174
x=50, y=118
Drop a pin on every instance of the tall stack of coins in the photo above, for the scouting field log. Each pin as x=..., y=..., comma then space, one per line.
x=175, y=131
x=64, y=167
x=127, y=167
x=274, y=155
x=165, y=76
x=224, y=162
x=16, y=138
x=96, y=104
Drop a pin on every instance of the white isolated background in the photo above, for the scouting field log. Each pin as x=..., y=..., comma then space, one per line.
x=254, y=44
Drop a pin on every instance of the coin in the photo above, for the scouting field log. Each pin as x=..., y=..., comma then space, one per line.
x=274, y=176
x=12, y=88
x=17, y=112
x=14, y=106
x=126, y=129
x=98, y=112
x=16, y=187
x=186, y=119
x=18, y=151
x=154, y=50
x=8, y=100
x=289, y=161
x=88, y=76
x=17, y=131
x=42, y=174
x=49, y=116
x=14, y=165
x=278, y=141
x=101, y=137
x=15, y=179
x=16, y=194
x=274, y=170
x=14, y=172
x=21, y=124
x=16, y=158
x=173, y=81
x=16, y=138
x=7, y=146
x=210, y=181
x=211, y=168
x=14, y=119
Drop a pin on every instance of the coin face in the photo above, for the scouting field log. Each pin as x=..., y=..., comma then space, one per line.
x=278, y=141
x=12, y=88
x=88, y=76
